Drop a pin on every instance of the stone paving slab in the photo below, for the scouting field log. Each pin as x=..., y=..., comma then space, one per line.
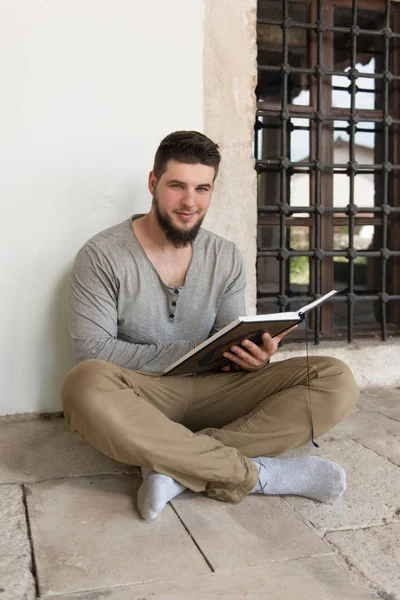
x=392, y=413
x=16, y=579
x=383, y=400
x=374, y=552
x=379, y=397
x=387, y=446
x=256, y=530
x=88, y=534
x=362, y=423
x=319, y=578
x=372, y=495
x=39, y=449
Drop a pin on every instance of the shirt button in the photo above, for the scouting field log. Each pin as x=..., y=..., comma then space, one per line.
x=176, y=291
x=173, y=303
x=171, y=316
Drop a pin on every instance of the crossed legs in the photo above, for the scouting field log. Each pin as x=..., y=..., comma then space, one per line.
x=201, y=431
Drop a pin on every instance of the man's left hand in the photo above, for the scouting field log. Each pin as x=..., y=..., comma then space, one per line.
x=250, y=357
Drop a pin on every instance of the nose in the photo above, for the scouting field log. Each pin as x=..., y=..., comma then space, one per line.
x=188, y=199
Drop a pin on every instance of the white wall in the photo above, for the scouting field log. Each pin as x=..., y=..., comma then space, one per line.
x=89, y=88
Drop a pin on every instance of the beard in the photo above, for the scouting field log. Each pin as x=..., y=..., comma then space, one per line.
x=180, y=238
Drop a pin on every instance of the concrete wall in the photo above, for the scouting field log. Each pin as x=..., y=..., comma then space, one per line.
x=230, y=76
x=89, y=87
x=374, y=363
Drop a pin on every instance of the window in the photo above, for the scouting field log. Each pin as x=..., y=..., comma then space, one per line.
x=327, y=149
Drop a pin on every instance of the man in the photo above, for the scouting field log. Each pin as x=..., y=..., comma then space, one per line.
x=145, y=292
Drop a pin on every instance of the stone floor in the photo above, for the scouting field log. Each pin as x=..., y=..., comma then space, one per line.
x=70, y=527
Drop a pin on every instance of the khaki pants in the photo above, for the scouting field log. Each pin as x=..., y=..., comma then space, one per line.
x=201, y=430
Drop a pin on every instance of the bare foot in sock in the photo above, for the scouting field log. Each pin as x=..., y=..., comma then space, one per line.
x=308, y=476
x=155, y=492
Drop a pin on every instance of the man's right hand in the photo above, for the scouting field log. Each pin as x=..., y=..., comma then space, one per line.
x=251, y=357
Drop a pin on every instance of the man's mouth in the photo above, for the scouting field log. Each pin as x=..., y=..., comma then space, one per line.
x=185, y=216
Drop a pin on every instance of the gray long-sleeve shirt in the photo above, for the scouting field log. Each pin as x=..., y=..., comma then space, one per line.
x=120, y=310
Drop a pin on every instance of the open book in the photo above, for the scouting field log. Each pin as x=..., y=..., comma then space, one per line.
x=207, y=356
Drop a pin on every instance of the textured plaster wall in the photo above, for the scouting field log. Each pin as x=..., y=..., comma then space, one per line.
x=373, y=363
x=229, y=77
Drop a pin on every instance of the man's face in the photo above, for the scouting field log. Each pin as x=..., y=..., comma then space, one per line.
x=181, y=198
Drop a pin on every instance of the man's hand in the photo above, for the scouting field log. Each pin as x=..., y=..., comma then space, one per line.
x=250, y=357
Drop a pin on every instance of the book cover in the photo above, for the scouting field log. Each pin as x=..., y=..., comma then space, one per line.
x=207, y=356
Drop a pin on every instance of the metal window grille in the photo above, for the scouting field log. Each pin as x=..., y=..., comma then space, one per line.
x=279, y=119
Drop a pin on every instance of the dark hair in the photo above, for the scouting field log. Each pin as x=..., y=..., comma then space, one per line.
x=188, y=147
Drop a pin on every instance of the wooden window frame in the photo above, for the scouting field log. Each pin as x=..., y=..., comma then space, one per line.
x=321, y=103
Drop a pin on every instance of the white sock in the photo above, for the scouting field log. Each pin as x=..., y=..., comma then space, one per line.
x=308, y=476
x=155, y=492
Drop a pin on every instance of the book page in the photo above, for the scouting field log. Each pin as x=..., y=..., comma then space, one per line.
x=315, y=303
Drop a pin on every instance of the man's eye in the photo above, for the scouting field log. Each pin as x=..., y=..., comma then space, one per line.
x=202, y=189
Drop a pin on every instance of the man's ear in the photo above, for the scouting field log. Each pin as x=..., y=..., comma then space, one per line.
x=152, y=183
